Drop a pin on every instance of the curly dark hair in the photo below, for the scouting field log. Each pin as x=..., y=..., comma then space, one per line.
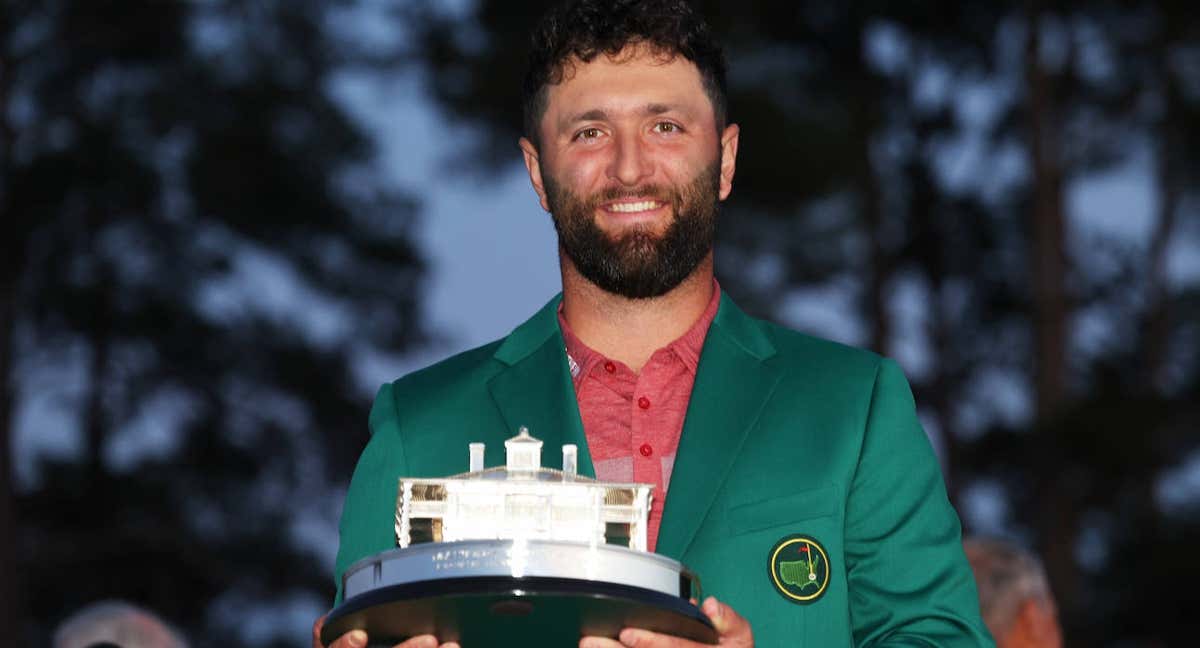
x=584, y=29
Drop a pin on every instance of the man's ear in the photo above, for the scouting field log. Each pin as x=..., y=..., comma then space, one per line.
x=533, y=165
x=729, y=148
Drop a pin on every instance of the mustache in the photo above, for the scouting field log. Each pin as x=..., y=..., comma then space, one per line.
x=644, y=192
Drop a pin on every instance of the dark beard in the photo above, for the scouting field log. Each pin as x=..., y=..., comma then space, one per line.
x=638, y=264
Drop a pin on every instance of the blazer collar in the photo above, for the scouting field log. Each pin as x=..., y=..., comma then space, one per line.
x=734, y=381
x=740, y=328
x=534, y=389
x=531, y=334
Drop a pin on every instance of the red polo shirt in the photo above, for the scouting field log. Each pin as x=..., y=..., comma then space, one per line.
x=632, y=421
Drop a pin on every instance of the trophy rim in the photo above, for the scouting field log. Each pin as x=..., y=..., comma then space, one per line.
x=368, y=561
x=543, y=558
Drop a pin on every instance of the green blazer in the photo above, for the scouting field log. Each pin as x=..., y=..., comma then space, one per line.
x=800, y=459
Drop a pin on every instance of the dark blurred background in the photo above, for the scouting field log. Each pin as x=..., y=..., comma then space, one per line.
x=223, y=224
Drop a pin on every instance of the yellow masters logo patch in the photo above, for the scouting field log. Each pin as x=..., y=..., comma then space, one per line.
x=799, y=568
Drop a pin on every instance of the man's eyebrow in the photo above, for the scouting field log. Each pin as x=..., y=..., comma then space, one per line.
x=595, y=114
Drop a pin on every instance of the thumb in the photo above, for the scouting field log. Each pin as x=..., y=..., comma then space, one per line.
x=718, y=613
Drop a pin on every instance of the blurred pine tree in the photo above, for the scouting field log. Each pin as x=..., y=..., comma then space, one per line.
x=196, y=248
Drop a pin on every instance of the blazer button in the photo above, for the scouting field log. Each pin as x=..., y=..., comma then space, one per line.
x=646, y=450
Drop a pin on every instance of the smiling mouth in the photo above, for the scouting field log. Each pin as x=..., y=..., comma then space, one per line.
x=634, y=207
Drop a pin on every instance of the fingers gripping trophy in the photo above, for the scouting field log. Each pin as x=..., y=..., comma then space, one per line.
x=501, y=554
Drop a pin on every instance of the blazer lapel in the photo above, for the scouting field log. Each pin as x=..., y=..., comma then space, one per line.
x=733, y=382
x=534, y=389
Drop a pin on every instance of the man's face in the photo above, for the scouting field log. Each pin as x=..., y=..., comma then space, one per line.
x=632, y=170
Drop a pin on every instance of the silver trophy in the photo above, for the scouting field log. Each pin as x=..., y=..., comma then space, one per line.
x=519, y=555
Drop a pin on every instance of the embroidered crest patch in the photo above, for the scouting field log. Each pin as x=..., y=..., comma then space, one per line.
x=799, y=569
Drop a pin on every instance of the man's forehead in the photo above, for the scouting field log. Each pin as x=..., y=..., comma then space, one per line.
x=645, y=82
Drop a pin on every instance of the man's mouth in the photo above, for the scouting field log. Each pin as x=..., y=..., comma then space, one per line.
x=633, y=207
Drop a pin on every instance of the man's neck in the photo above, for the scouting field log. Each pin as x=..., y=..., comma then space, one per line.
x=631, y=330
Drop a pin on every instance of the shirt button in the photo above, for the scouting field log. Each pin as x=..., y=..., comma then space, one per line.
x=646, y=450
x=610, y=367
x=644, y=402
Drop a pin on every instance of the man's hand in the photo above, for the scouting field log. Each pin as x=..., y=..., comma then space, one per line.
x=358, y=639
x=733, y=630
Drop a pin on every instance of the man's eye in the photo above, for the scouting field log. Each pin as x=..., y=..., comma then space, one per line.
x=588, y=133
x=667, y=127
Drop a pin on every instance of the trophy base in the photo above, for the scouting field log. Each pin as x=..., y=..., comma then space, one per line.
x=430, y=589
x=503, y=611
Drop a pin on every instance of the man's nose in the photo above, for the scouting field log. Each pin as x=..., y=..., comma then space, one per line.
x=631, y=162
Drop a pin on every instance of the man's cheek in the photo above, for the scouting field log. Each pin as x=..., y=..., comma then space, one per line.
x=582, y=176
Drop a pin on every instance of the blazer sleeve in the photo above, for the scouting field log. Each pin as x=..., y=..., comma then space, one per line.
x=909, y=581
x=370, y=506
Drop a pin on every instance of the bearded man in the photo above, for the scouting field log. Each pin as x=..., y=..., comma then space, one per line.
x=767, y=448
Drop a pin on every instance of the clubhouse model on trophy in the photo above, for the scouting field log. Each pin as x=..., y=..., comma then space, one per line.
x=519, y=554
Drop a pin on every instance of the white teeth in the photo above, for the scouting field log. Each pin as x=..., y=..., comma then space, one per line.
x=645, y=205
